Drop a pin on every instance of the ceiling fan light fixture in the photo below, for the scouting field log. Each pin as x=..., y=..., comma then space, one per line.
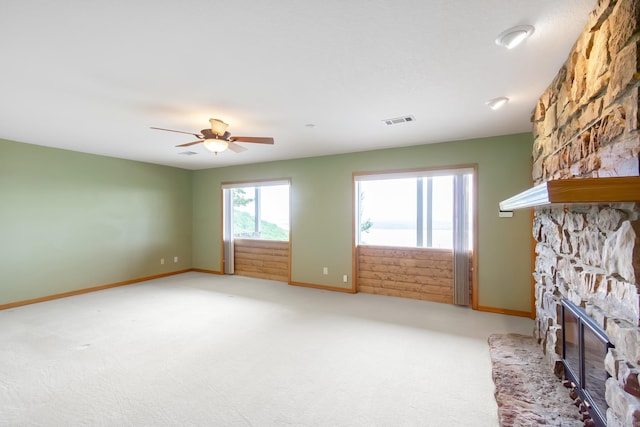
x=514, y=36
x=216, y=145
x=218, y=127
x=497, y=103
x=217, y=139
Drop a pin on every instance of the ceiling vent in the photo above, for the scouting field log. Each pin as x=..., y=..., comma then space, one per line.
x=187, y=153
x=399, y=120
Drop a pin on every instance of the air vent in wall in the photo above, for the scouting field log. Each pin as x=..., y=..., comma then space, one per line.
x=187, y=153
x=399, y=120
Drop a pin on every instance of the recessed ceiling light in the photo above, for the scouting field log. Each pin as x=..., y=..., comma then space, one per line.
x=514, y=36
x=497, y=103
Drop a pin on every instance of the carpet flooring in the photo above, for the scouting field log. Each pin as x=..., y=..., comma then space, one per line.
x=204, y=350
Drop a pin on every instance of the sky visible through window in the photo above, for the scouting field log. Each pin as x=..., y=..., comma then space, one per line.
x=391, y=206
x=275, y=205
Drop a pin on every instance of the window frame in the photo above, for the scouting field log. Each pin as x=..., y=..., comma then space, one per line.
x=226, y=220
x=474, y=220
x=258, y=216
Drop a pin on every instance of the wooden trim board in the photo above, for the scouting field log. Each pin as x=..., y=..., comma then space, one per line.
x=87, y=290
x=326, y=288
x=505, y=311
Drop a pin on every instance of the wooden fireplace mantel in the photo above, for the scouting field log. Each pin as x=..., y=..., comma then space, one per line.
x=579, y=190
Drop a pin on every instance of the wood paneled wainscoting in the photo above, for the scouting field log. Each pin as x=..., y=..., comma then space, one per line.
x=418, y=273
x=262, y=259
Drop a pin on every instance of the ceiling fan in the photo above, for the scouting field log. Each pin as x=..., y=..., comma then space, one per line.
x=217, y=139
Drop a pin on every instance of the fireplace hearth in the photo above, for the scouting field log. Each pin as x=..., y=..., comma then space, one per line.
x=584, y=348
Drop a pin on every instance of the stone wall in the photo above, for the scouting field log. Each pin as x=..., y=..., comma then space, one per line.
x=586, y=125
x=586, y=122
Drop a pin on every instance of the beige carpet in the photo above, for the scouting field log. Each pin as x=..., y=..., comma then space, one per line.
x=527, y=391
x=203, y=350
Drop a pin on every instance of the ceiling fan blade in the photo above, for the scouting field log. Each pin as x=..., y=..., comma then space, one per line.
x=235, y=147
x=191, y=143
x=257, y=139
x=178, y=131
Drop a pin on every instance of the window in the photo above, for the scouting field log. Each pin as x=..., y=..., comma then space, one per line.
x=414, y=209
x=256, y=210
x=253, y=210
x=261, y=212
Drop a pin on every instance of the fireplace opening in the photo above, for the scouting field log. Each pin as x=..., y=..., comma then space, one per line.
x=584, y=347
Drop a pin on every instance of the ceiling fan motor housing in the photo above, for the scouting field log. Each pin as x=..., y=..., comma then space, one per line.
x=209, y=134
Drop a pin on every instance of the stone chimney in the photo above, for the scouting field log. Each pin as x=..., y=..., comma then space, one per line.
x=586, y=125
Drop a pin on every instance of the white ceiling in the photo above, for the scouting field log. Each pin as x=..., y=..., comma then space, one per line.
x=94, y=76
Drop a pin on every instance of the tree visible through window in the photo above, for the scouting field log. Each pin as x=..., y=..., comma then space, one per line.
x=261, y=212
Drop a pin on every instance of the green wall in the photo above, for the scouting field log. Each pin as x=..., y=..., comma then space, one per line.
x=321, y=211
x=71, y=221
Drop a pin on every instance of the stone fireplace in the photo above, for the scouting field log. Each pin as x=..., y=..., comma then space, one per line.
x=585, y=126
x=586, y=258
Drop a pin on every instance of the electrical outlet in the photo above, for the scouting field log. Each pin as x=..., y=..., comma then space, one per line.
x=345, y=278
x=161, y=261
x=175, y=259
x=325, y=270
